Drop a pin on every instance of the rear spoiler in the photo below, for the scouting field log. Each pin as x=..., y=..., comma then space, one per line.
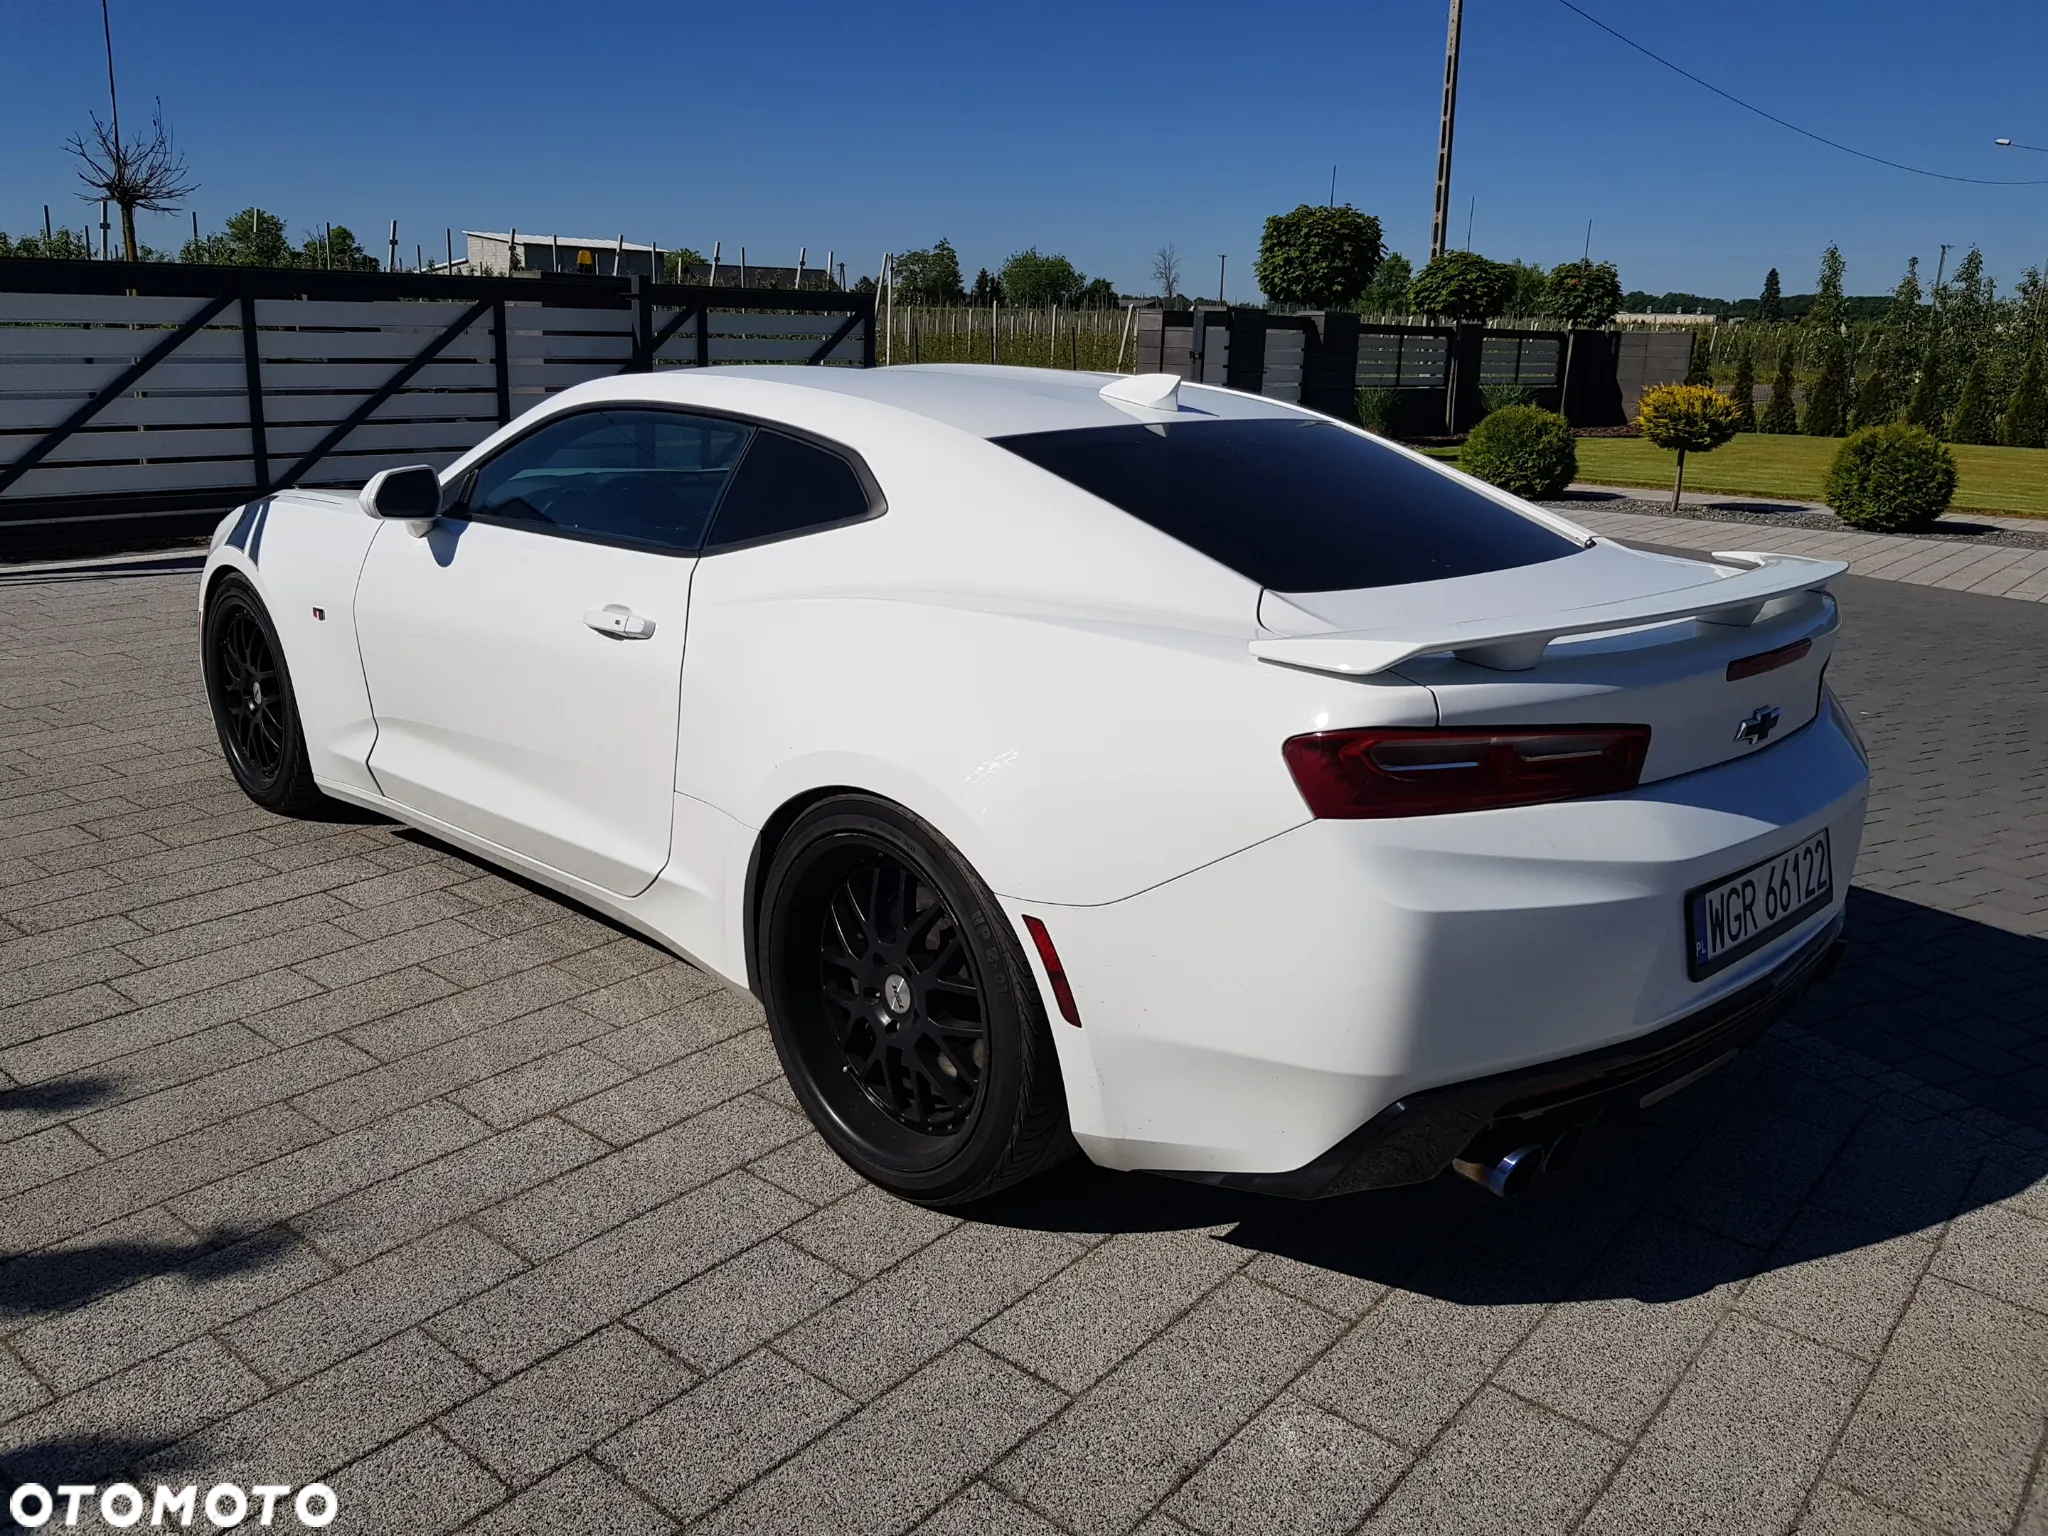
x=1516, y=643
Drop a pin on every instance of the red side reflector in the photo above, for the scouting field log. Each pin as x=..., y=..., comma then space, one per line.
x=1404, y=771
x=1767, y=661
x=1055, y=973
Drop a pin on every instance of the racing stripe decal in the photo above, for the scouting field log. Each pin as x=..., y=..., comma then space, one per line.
x=256, y=532
x=240, y=536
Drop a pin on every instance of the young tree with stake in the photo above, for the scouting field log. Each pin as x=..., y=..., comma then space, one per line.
x=146, y=173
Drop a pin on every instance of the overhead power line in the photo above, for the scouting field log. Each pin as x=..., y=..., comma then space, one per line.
x=1807, y=133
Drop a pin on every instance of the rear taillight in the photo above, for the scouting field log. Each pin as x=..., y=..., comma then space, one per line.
x=1409, y=772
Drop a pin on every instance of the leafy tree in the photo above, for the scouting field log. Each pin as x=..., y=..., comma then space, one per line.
x=987, y=290
x=1770, y=308
x=1318, y=257
x=1387, y=294
x=929, y=277
x=1972, y=420
x=2025, y=422
x=337, y=250
x=680, y=266
x=1827, y=403
x=1923, y=410
x=1891, y=479
x=1099, y=294
x=1874, y=405
x=252, y=238
x=1461, y=286
x=134, y=173
x=1780, y=414
x=1029, y=278
x=1689, y=418
x=1585, y=294
x=1744, y=391
x=58, y=245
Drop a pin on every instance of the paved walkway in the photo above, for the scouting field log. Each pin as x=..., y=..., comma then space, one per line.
x=1994, y=570
x=327, y=1153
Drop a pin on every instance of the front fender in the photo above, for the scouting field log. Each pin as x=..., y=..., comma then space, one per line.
x=303, y=554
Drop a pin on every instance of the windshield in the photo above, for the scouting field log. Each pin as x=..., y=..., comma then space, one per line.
x=1295, y=505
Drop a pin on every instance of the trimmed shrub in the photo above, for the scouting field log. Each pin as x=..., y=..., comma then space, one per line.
x=1827, y=403
x=1780, y=414
x=1523, y=449
x=1923, y=406
x=1700, y=366
x=1973, y=420
x=1689, y=418
x=1891, y=479
x=1743, y=392
x=2025, y=422
x=1873, y=399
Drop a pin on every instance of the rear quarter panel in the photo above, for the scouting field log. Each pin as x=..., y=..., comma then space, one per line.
x=1064, y=693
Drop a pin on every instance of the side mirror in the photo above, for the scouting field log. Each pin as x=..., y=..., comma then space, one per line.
x=411, y=494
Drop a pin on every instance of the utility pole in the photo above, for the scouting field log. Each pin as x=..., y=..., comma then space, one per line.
x=1439, y=234
x=1222, y=266
x=392, y=264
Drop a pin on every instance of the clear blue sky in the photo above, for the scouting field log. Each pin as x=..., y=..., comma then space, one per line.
x=1100, y=131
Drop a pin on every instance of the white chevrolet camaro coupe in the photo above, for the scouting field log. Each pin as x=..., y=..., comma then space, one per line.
x=1063, y=758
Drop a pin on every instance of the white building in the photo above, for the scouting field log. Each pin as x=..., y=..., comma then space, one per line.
x=493, y=253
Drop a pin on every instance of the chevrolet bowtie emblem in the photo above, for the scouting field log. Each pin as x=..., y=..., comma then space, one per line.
x=1758, y=727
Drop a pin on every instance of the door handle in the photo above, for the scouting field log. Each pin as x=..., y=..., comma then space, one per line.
x=619, y=621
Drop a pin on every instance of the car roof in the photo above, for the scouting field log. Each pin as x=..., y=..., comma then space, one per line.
x=978, y=399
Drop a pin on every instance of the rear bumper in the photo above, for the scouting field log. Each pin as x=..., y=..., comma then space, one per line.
x=1252, y=1015
x=1414, y=1138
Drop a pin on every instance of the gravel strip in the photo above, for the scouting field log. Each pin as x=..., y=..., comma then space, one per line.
x=1955, y=529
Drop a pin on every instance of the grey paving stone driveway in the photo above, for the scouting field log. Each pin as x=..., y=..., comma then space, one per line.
x=327, y=1153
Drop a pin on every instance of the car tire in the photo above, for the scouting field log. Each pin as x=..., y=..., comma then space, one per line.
x=254, y=708
x=903, y=1009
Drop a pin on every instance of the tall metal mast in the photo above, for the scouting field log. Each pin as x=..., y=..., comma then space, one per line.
x=1439, y=235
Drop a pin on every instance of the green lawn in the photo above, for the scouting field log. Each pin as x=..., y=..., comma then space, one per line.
x=2010, y=480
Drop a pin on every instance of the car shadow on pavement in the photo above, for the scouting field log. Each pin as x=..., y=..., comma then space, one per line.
x=1893, y=1098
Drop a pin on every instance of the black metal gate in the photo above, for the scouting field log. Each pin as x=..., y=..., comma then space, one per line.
x=139, y=400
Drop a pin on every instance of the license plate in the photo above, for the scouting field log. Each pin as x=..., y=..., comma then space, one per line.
x=1740, y=914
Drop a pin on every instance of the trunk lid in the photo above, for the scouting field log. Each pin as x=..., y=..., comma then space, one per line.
x=1710, y=689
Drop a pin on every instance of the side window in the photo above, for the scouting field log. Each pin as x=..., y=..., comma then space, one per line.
x=648, y=479
x=782, y=487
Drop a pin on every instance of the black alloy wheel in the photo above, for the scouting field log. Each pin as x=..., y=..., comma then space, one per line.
x=251, y=698
x=253, y=706
x=903, y=1009
x=902, y=995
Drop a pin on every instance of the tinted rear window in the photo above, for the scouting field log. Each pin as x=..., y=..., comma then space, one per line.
x=1298, y=506
x=785, y=487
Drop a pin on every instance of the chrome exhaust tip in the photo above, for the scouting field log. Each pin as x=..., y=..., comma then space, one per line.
x=1507, y=1175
